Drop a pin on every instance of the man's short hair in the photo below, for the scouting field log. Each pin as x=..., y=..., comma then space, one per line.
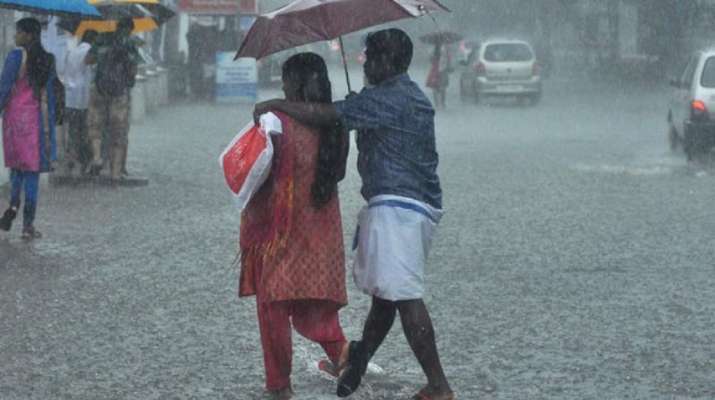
x=395, y=43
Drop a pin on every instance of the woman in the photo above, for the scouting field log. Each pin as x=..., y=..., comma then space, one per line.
x=291, y=243
x=27, y=101
x=438, y=78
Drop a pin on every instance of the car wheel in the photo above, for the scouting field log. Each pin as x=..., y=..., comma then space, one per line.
x=691, y=145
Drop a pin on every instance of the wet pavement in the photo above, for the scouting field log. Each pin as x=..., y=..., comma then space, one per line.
x=574, y=261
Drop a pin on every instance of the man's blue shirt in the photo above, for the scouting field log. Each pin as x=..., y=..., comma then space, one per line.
x=396, y=140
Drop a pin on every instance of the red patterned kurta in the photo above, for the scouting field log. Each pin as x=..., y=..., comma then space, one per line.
x=289, y=249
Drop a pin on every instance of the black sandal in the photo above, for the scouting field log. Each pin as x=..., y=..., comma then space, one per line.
x=7, y=218
x=30, y=233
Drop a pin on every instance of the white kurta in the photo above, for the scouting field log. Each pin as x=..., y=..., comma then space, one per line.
x=78, y=77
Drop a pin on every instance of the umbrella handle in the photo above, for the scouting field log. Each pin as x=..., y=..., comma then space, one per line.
x=345, y=62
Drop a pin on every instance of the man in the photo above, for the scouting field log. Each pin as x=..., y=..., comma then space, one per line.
x=194, y=38
x=397, y=162
x=78, y=77
x=203, y=44
x=116, y=57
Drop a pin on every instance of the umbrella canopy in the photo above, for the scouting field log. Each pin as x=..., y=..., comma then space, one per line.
x=147, y=16
x=79, y=26
x=441, y=37
x=307, y=21
x=54, y=7
x=116, y=9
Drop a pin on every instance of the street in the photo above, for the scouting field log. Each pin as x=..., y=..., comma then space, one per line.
x=574, y=261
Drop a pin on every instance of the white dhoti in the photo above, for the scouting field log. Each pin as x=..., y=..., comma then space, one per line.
x=392, y=241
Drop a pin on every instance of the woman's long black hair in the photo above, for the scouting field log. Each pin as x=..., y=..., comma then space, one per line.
x=310, y=71
x=39, y=62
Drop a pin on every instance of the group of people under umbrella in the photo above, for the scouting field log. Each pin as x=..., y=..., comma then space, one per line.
x=292, y=257
x=291, y=249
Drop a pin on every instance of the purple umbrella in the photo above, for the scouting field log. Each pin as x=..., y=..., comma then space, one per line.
x=307, y=21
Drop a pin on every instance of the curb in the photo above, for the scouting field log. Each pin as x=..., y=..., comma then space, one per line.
x=134, y=181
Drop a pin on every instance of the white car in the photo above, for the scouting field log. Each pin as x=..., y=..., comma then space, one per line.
x=691, y=114
x=501, y=67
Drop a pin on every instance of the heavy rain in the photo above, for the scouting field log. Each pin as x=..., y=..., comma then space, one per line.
x=542, y=179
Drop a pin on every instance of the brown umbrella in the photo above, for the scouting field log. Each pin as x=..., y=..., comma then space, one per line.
x=307, y=21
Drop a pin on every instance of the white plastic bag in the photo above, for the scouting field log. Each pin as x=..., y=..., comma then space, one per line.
x=246, y=161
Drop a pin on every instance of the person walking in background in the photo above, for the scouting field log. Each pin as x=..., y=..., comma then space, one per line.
x=292, y=255
x=194, y=39
x=116, y=58
x=397, y=161
x=203, y=42
x=78, y=78
x=27, y=101
x=438, y=77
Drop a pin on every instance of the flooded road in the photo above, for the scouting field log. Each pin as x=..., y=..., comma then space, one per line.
x=574, y=261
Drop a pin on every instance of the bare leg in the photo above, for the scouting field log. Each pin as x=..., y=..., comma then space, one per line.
x=418, y=329
x=378, y=324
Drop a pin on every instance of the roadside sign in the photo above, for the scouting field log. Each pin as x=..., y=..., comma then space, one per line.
x=209, y=7
x=248, y=6
x=236, y=81
x=245, y=22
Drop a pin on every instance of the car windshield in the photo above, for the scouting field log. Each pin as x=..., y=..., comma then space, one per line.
x=708, y=77
x=508, y=52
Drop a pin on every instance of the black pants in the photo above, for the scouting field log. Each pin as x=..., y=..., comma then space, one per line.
x=78, y=146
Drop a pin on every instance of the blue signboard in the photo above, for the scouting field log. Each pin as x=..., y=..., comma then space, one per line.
x=236, y=81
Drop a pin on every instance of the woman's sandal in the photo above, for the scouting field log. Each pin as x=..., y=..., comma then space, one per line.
x=30, y=233
x=422, y=395
x=282, y=394
x=7, y=218
x=330, y=368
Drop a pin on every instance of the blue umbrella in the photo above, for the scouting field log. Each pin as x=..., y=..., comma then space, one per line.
x=54, y=7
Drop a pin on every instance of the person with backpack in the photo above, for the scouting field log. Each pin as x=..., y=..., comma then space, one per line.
x=28, y=106
x=116, y=58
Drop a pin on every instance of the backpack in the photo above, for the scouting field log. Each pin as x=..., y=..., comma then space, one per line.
x=114, y=72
